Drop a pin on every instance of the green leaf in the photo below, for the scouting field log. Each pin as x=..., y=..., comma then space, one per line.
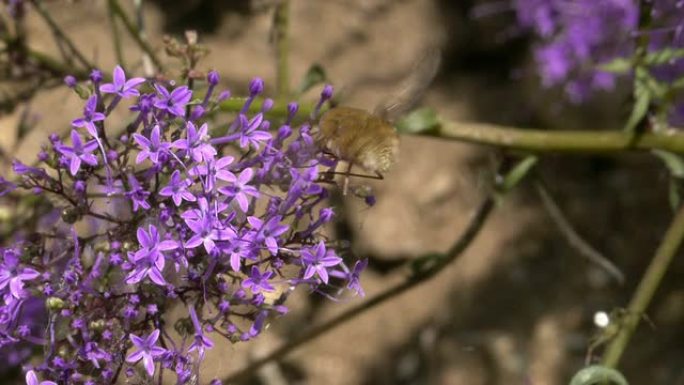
x=639, y=111
x=673, y=162
x=619, y=65
x=421, y=120
x=597, y=374
x=517, y=173
x=314, y=75
x=663, y=56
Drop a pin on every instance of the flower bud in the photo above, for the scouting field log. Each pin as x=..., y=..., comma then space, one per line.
x=213, y=78
x=256, y=86
x=54, y=303
x=70, y=81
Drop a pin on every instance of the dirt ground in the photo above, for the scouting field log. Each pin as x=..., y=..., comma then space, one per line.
x=517, y=307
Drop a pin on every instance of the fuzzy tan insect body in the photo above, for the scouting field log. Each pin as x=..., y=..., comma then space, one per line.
x=360, y=138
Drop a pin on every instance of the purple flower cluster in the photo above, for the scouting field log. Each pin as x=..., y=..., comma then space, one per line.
x=575, y=37
x=226, y=219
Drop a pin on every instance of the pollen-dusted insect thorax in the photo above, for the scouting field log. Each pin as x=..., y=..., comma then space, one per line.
x=359, y=137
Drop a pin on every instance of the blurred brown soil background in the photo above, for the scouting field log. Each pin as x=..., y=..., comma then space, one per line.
x=517, y=306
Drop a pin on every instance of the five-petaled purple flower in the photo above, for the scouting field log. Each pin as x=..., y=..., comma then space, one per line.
x=238, y=188
x=251, y=134
x=90, y=116
x=258, y=282
x=205, y=228
x=195, y=144
x=177, y=189
x=137, y=194
x=151, y=148
x=120, y=86
x=79, y=152
x=149, y=260
x=14, y=275
x=146, y=350
x=268, y=232
x=317, y=259
x=174, y=103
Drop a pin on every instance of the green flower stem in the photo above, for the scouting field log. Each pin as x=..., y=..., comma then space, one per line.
x=135, y=34
x=281, y=28
x=539, y=141
x=647, y=287
x=57, y=30
x=279, y=110
x=116, y=38
x=423, y=268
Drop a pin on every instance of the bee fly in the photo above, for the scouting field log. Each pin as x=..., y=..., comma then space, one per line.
x=367, y=139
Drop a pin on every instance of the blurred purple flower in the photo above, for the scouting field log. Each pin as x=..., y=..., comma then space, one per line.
x=79, y=152
x=120, y=86
x=146, y=350
x=317, y=261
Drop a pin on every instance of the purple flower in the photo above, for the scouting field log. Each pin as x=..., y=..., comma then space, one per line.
x=22, y=169
x=317, y=260
x=13, y=275
x=146, y=350
x=250, y=133
x=32, y=379
x=90, y=116
x=149, y=260
x=177, y=189
x=195, y=145
x=120, y=86
x=201, y=341
x=174, y=103
x=6, y=186
x=137, y=194
x=268, y=232
x=238, y=188
x=79, y=152
x=212, y=170
x=258, y=282
x=206, y=230
x=151, y=148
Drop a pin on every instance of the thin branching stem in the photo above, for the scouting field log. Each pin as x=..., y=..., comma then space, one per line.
x=116, y=38
x=578, y=142
x=573, y=238
x=136, y=35
x=57, y=30
x=647, y=287
x=281, y=34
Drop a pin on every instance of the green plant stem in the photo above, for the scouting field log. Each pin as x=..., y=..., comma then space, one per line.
x=647, y=287
x=38, y=5
x=135, y=34
x=279, y=110
x=539, y=141
x=116, y=38
x=281, y=28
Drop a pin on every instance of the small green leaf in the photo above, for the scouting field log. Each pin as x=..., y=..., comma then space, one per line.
x=619, y=65
x=314, y=76
x=598, y=375
x=673, y=162
x=421, y=120
x=517, y=173
x=643, y=101
x=663, y=56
